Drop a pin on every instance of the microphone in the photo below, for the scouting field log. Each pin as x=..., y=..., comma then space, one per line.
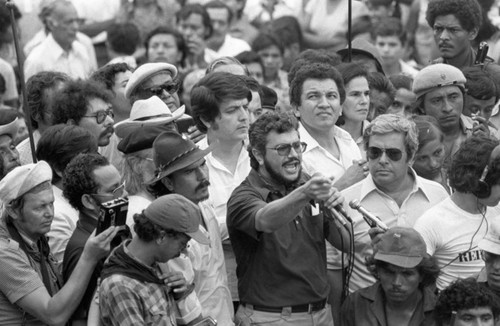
x=335, y=214
x=339, y=208
x=371, y=219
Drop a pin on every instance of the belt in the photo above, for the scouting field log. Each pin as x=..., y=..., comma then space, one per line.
x=307, y=307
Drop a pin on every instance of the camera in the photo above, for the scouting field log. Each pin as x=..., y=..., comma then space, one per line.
x=112, y=213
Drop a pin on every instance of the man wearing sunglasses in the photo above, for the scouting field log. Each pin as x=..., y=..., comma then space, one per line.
x=392, y=190
x=89, y=180
x=278, y=231
x=86, y=104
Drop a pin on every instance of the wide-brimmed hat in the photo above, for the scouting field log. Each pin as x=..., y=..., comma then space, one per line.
x=172, y=152
x=150, y=112
x=145, y=71
x=141, y=139
x=9, y=128
x=403, y=247
x=491, y=241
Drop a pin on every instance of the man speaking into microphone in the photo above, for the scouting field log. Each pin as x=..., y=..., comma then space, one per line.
x=278, y=232
x=392, y=191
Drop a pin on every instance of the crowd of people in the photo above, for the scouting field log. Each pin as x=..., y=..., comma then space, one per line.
x=182, y=162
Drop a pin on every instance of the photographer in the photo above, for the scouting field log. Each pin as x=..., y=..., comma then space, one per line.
x=89, y=180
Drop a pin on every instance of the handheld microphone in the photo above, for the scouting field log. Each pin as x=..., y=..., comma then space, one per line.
x=372, y=220
x=339, y=208
x=333, y=214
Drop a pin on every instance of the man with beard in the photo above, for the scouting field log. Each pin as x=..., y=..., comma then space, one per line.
x=392, y=190
x=278, y=232
x=182, y=169
x=85, y=104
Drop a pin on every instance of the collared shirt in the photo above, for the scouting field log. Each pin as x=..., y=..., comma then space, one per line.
x=282, y=268
x=366, y=307
x=63, y=224
x=317, y=159
x=204, y=266
x=232, y=46
x=50, y=56
x=424, y=195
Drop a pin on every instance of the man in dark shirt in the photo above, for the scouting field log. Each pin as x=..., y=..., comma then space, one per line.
x=278, y=232
x=88, y=181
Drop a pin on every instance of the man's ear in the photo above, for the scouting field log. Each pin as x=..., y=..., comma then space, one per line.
x=206, y=123
x=473, y=34
x=167, y=182
x=89, y=202
x=296, y=111
x=258, y=156
x=13, y=213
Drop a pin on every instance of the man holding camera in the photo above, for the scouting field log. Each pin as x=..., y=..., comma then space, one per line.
x=89, y=180
x=31, y=290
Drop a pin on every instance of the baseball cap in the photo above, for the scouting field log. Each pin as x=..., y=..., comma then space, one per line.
x=403, y=247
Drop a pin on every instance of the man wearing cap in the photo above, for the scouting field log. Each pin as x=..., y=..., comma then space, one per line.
x=182, y=169
x=490, y=246
x=31, y=290
x=392, y=190
x=9, y=154
x=134, y=290
x=278, y=232
x=453, y=228
x=89, y=180
x=440, y=92
x=404, y=291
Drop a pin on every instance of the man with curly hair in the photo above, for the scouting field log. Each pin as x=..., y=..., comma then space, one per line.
x=403, y=293
x=86, y=104
x=88, y=181
x=466, y=302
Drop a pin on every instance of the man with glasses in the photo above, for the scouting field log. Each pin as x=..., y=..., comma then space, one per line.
x=392, y=190
x=89, y=180
x=278, y=231
x=62, y=49
x=86, y=104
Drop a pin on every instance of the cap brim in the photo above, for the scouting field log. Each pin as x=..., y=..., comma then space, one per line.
x=199, y=237
x=401, y=261
x=126, y=127
x=489, y=246
x=9, y=129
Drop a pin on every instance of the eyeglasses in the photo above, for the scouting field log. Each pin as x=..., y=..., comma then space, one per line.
x=116, y=193
x=394, y=154
x=284, y=149
x=171, y=88
x=100, y=116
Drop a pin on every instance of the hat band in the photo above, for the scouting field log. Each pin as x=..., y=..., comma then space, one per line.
x=163, y=167
x=153, y=116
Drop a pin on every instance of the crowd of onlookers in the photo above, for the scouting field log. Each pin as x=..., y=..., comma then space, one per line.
x=244, y=162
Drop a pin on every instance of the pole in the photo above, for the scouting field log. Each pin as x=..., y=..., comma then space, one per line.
x=349, y=26
x=26, y=108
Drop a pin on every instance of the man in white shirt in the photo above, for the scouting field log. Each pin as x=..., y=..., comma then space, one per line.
x=60, y=51
x=219, y=104
x=392, y=191
x=453, y=228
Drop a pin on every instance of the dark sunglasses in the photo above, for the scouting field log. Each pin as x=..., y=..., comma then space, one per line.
x=100, y=116
x=171, y=88
x=284, y=149
x=393, y=154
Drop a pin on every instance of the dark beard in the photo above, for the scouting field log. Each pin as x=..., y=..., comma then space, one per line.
x=278, y=178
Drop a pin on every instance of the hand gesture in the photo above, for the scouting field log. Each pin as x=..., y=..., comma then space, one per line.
x=480, y=126
x=98, y=246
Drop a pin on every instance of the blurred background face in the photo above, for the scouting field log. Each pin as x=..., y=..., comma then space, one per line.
x=220, y=23
x=390, y=49
x=429, y=159
x=272, y=60
x=256, y=71
x=163, y=48
x=192, y=26
x=482, y=108
x=403, y=102
x=64, y=24
x=357, y=101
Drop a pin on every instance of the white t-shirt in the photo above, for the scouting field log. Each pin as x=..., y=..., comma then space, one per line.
x=451, y=235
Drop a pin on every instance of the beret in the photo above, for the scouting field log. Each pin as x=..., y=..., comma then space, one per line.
x=435, y=76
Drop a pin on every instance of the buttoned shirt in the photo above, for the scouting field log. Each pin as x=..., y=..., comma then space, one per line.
x=50, y=56
x=423, y=195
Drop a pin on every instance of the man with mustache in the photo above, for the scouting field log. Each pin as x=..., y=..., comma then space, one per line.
x=278, y=231
x=86, y=104
x=181, y=168
x=392, y=190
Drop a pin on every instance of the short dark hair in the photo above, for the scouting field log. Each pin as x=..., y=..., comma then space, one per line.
x=469, y=161
x=350, y=71
x=313, y=56
x=196, y=9
x=73, y=100
x=179, y=40
x=257, y=134
x=480, y=84
x=106, y=74
x=319, y=71
x=468, y=12
x=267, y=39
x=77, y=177
x=59, y=144
x=379, y=82
x=217, y=4
x=5, y=21
x=464, y=294
x=147, y=231
x=401, y=81
x=35, y=88
x=289, y=30
x=248, y=57
x=253, y=85
x=211, y=91
x=123, y=37
x=428, y=269
x=390, y=26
